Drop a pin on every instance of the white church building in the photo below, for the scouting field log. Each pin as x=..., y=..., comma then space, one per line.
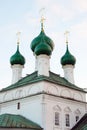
x=43, y=100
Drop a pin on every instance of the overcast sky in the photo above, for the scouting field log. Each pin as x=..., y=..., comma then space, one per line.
x=60, y=15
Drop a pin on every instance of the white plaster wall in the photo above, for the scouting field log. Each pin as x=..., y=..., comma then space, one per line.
x=22, y=91
x=63, y=104
x=42, y=86
x=16, y=72
x=39, y=108
x=69, y=73
x=43, y=64
x=30, y=108
x=64, y=91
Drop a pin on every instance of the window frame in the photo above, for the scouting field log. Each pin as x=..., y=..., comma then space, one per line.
x=77, y=117
x=18, y=105
x=57, y=118
x=67, y=120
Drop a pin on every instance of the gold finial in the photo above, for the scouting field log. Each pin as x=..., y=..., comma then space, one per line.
x=42, y=17
x=18, y=37
x=66, y=34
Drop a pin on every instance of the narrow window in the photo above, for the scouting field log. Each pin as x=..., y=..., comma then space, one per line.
x=56, y=118
x=18, y=105
x=77, y=118
x=67, y=119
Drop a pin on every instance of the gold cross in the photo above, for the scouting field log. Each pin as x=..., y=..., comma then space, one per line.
x=18, y=37
x=42, y=17
x=66, y=34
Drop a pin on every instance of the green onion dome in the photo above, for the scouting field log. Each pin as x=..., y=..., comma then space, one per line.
x=17, y=58
x=42, y=44
x=68, y=58
x=43, y=48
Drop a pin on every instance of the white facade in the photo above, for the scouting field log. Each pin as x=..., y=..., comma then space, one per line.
x=40, y=101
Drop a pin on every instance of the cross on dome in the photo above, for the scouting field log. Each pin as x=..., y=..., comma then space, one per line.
x=66, y=34
x=18, y=37
x=42, y=18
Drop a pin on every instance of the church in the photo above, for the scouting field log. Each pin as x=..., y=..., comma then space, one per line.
x=43, y=100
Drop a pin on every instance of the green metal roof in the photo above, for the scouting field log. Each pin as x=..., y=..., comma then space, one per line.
x=43, y=48
x=17, y=121
x=42, y=44
x=17, y=58
x=81, y=124
x=33, y=78
x=68, y=58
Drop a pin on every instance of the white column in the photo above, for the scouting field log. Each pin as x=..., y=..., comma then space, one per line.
x=16, y=72
x=69, y=73
x=42, y=65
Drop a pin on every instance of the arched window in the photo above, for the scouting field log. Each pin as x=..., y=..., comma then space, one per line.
x=67, y=119
x=77, y=115
x=67, y=111
x=57, y=118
